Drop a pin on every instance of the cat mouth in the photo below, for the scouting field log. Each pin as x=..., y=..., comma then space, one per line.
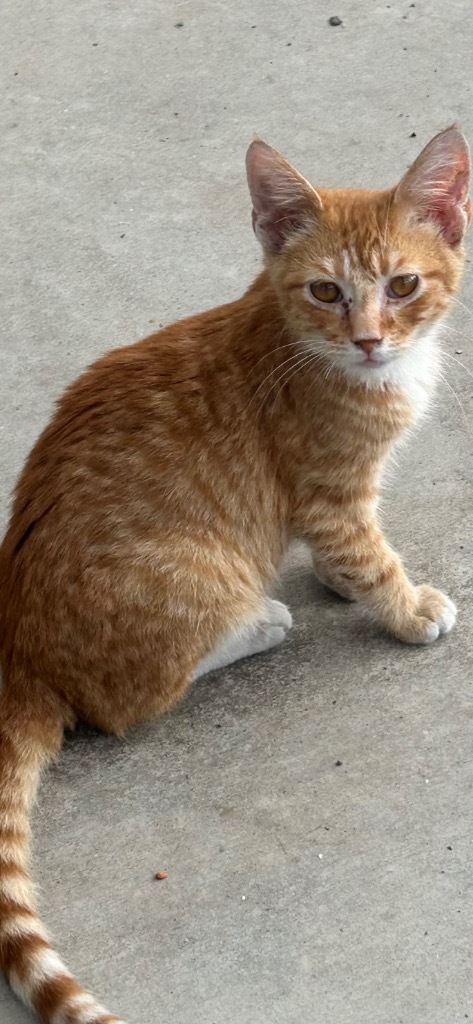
x=373, y=362
x=370, y=365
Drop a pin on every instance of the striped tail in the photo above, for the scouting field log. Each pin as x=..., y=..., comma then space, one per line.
x=30, y=735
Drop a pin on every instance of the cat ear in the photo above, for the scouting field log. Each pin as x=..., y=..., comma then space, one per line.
x=436, y=186
x=283, y=201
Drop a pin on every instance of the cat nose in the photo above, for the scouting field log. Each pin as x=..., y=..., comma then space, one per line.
x=367, y=344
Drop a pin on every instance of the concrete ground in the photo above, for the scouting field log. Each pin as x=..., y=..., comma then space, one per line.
x=313, y=806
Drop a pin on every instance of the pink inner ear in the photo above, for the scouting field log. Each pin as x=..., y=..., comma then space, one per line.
x=273, y=227
x=454, y=184
x=451, y=206
x=460, y=181
x=436, y=185
x=283, y=201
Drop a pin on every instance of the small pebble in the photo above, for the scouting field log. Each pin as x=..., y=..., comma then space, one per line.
x=334, y=20
x=179, y=24
x=458, y=351
x=338, y=764
x=413, y=135
x=161, y=875
x=243, y=897
x=321, y=856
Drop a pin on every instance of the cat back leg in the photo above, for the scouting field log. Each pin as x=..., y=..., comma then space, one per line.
x=253, y=638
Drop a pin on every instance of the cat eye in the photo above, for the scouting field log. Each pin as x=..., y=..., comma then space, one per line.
x=402, y=285
x=325, y=291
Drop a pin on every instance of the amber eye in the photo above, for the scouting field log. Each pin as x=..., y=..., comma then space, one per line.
x=403, y=285
x=325, y=291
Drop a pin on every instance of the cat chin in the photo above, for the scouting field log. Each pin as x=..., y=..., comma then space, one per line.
x=413, y=371
x=372, y=376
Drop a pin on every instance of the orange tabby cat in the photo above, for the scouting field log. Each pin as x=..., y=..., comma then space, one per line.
x=153, y=513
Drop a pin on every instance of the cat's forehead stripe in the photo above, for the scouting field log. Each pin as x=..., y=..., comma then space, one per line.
x=356, y=266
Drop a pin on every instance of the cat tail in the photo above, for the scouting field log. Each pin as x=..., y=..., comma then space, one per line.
x=31, y=732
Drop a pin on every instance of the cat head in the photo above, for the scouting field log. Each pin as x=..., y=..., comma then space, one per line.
x=363, y=276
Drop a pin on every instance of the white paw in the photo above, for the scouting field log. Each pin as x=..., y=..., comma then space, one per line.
x=272, y=629
x=435, y=614
x=266, y=637
x=431, y=633
x=448, y=617
x=277, y=614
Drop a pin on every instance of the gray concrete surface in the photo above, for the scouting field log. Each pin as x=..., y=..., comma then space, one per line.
x=299, y=891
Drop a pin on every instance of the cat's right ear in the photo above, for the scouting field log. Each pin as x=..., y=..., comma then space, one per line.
x=284, y=203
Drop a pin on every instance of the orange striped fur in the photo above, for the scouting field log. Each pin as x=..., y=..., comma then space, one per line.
x=150, y=520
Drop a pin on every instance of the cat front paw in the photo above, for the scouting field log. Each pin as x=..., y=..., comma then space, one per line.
x=277, y=614
x=435, y=614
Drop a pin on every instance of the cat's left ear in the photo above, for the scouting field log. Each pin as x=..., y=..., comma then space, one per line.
x=283, y=201
x=436, y=186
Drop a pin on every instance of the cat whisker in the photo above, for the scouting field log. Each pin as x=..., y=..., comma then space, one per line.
x=284, y=377
x=307, y=357
x=289, y=362
x=459, y=403
x=447, y=327
x=462, y=304
x=328, y=370
x=267, y=355
x=311, y=357
x=327, y=364
x=322, y=359
x=455, y=360
x=275, y=369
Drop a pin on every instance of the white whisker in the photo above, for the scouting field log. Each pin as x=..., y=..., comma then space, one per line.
x=305, y=362
x=275, y=369
x=312, y=357
x=454, y=360
x=447, y=327
x=459, y=403
x=299, y=364
x=267, y=355
x=462, y=304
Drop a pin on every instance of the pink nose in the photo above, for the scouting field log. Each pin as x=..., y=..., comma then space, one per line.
x=368, y=344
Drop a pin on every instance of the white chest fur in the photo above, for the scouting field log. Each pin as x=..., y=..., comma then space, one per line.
x=416, y=372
